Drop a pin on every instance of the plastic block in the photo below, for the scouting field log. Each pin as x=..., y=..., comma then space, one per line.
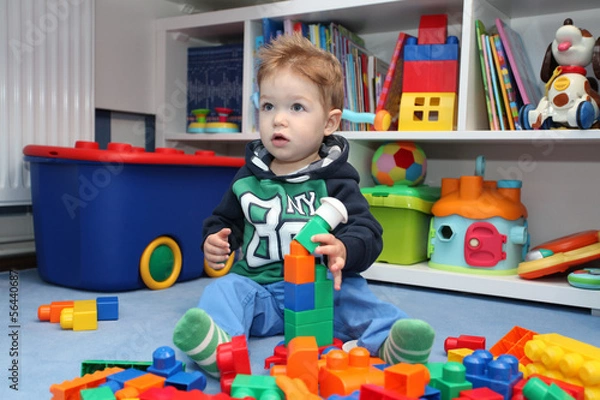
x=374, y=392
x=89, y=366
x=232, y=359
x=140, y=384
x=451, y=381
x=445, y=52
x=99, y=393
x=322, y=331
x=256, y=386
x=51, y=312
x=164, y=363
x=565, y=359
x=308, y=317
x=430, y=76
x=324, y=294
x=407, y=379
x=427, y=111
x=458, y=355
x=464, y=342
x=302, y=361
x=344, y=373
x=124, y=376
x=299, y=269
x=68, y=390
x=514, y=343
x=83, y=316
x=108, y=308
x=294, y=389
x=299, y=297
x=500, y=374
x=482, y=393
x=536, y=389
x=416, y=52
x=187, y=381
x=433, y=29
x=577, y=392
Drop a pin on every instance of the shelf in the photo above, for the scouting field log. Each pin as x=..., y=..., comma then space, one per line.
x=554, y=290
x=563, y=136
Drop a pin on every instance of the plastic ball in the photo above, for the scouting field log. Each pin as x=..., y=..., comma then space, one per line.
x=399, y=163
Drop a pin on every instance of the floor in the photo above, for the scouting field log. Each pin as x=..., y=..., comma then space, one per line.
x=40, y=353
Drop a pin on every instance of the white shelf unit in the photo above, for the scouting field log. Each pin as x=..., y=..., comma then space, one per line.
x=560, y=169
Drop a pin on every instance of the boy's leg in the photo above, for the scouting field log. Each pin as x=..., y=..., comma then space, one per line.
x=380, y=327
x=229, y=306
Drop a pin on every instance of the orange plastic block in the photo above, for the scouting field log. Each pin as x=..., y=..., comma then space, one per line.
x=51, y=312
x=83, y=316
x=482, y=393
x=566, y=359
x=344, y=373
x=294, y=389
x=299, y=269
x=514, y=343
x=302, y=361
x=69, y=390
x=135, y=386
x=407, y=379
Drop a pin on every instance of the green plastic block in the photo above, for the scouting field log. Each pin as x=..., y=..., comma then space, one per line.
x=99, y=393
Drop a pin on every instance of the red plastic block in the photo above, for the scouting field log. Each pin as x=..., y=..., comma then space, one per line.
x=374, y=392
x=233, y=359
x=430, y=76
x=433, y=29
x=464, y=342
x=482, y=393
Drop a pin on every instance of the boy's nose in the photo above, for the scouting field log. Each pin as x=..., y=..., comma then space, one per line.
x=279, y=118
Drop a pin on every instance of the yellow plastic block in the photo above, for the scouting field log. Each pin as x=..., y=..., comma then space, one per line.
x=83, y=316
x=457, y=355
x=566, y=359
x=427, y=112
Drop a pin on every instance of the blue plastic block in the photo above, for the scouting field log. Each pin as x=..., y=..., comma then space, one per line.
x=108, y=308
x=299, y=297
x=444, y=52
x=121, y=377
x=431, y=393
x=187, y=381
x=417, y=52
x=499, y=375
x=164, y=363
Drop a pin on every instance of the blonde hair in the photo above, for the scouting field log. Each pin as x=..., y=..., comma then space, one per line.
x=302, y=57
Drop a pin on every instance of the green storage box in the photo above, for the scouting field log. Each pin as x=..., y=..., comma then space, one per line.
x=404, y=212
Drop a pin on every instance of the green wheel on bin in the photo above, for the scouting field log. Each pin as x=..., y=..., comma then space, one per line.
x=160, y=264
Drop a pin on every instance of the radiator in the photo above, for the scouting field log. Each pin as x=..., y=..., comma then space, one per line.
x=46, y=83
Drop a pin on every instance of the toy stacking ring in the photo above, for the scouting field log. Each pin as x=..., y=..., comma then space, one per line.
x=587, y=278
x=215, y=273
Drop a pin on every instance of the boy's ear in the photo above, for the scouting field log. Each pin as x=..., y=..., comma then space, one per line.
x=333, y=121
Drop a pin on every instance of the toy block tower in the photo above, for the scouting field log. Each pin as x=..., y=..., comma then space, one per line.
x=430, y=78
x=308, y=292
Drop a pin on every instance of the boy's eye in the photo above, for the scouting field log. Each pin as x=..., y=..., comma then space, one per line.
x=266, y=107
x=297, y=107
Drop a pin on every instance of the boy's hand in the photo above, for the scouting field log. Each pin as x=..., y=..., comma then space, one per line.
x=335, y=251
x=216, y=249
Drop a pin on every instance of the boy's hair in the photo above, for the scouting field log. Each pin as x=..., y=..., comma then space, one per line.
x=301, y=56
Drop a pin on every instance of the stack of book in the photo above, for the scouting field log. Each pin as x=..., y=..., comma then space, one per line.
x=508, y=78
x=363, y=73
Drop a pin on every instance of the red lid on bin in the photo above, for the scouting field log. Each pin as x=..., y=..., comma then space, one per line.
x=128, y=154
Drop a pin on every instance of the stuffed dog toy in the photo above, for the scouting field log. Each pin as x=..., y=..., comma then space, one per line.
x=572, y=98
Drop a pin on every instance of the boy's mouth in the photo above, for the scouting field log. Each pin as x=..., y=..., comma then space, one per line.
x=279, y=140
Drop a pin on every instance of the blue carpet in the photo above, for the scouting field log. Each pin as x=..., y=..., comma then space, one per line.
x=47, y=354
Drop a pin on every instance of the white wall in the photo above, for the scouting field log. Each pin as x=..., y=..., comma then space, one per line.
x=124, y=65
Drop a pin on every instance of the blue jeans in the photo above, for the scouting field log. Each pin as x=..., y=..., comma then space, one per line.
x=243, y=307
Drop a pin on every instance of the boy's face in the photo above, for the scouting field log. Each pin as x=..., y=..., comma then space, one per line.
x=292, y=120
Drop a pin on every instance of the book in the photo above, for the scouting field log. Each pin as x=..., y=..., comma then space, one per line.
x=512, y=103
x=271, y=29
x=519, y=63
x=215, y=80
x=481, y=34
x=389, y=99
x=501, y=83
x=495, y=85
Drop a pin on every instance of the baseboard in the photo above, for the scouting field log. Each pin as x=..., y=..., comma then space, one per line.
x=18, y=262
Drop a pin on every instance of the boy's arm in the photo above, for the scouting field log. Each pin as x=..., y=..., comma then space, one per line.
x=227, y=214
